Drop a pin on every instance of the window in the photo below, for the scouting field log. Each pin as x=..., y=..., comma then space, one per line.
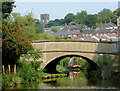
x=97, y=34
x=74, y=35
x=69, y=35
x=86, y=34
x=113, y=33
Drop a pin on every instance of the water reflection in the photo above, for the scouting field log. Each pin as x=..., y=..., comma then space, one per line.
x=75, y=79
x=73, y=74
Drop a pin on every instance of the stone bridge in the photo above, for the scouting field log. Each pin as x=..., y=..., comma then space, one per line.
x=55, y=50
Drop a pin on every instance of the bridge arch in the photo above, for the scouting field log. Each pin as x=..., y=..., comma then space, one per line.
x=54, y=50
x=51, y=64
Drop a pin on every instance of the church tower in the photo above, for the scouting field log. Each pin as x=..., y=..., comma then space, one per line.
x=44, y=19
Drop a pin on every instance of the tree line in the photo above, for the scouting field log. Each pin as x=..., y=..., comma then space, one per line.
x=91, y=20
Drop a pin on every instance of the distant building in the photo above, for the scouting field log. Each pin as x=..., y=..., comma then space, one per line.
x=44, y=19
x=75, y=34
x=59, y=28
x=88, y=39
x=102, y=34
x=119, y=4
x=75, y=27
x=107, y=26
x=118, y=22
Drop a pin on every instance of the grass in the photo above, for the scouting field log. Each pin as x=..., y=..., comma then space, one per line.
x=59, y=68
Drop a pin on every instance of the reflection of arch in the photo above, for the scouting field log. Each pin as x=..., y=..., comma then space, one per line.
x=51, y=64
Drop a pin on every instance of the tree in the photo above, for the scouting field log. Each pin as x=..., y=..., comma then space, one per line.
x=81, y=17
x=115, y=15
x=64, y=62
x=54, y=30
x=117, y=12
x=91, y=20
x=39, y=27
x=105, y=16
x=56, y=22
x=14, y=43
x=33, y=54
x=50, y=23
x=62, y=21
x=72, y=23
x=7, y=8
x=114, y=18
x=69, y=17
x=26, y=23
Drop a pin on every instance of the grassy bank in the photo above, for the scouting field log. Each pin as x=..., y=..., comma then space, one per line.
x=27, y=73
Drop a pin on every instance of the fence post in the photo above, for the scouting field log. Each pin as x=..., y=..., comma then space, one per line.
x=8, y=68
x=14, y=68
x=3, y=69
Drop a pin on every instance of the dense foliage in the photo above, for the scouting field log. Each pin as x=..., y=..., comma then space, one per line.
x=30, y=73
x=13, y=43
x=26, y=23
x=26, y=73
x=106, y=60
x=80, y=17
x=39, y=27
x=69, y=18
x=91, y=20
x=7, y=8
x=54, y=30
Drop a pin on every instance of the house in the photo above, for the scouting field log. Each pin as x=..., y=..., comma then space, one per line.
x=75, y=27
x=83, y=27
x=59, y=28
x=101, y=38
x=75, y=34
x=70, y=28
x=107, y=26
x=88, y=39
x=118, y=22
x=102, y=34
x=47, y=29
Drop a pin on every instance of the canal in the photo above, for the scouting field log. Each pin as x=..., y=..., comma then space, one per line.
x=75, y=80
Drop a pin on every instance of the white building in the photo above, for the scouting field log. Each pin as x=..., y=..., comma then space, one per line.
x=119, y=4
x=118, y=22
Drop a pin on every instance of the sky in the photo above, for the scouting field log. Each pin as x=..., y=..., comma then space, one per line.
x=58, y=9
x=67, y=0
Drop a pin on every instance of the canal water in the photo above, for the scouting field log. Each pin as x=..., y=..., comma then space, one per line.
x=75, y=80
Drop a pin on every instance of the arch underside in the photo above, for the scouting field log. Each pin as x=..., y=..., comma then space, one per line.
x=52, y=63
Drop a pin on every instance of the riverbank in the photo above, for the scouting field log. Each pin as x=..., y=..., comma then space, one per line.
x=54, y=76
x=13, y=80
x=72, y=82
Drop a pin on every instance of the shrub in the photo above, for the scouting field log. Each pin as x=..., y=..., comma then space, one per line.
x=28, y=74
x=36, y=64
x=6, y=80
x=105, y=60
x=13, y=44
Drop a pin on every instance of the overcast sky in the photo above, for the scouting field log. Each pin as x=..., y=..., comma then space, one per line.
x=58, y=10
